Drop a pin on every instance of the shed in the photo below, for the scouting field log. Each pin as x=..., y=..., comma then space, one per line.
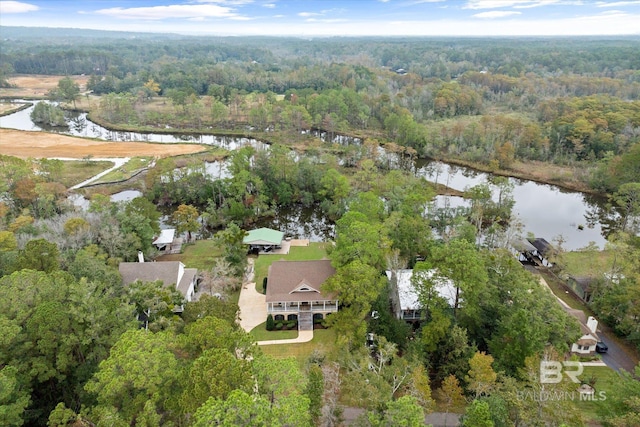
x=166, y=238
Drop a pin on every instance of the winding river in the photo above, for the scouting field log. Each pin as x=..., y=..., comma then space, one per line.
x=545, y=210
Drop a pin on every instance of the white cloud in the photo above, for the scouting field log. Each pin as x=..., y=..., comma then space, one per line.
x=229, y=2
x=308, y=14
x=326, y=21
x=170, y=11
x=16, y=7
x=618, y=3
x=496, y=14
x=414, y=2
x=494, y=4
x=269, y=5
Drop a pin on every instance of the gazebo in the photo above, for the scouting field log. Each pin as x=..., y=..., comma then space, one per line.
x=263, y=239
x=164, y=241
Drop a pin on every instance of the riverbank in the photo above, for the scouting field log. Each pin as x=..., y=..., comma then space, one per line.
x=540, y=172
x=572, y=178
x=7, y=108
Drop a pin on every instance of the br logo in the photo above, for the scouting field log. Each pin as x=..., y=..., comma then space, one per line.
x=551, y=372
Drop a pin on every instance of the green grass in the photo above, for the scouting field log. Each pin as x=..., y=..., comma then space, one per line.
x=606, y=380
x=260, y=333
x=201, y=255
x=324, y=340
x=76, y=171
x=315, y=250
x=562, y=291
x=127, y=170
x=587, y=263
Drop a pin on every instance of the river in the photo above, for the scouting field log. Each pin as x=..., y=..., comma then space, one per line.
x=544, y=210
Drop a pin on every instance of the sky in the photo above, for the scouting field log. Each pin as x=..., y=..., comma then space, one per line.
x=305, y=18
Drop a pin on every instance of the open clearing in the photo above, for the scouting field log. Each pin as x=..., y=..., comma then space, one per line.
x=36, y=86
x=48, y=145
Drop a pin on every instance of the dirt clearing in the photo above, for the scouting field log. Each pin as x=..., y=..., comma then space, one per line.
x=36, y=86
x=47, y=145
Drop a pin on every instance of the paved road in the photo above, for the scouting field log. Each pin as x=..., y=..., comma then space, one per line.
x=435, y=419
x=617, y=357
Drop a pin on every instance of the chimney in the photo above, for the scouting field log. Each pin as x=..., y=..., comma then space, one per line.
x=140, y=256
x=592, y=324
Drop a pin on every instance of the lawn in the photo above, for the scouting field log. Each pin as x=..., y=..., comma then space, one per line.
x=605, y=382
x=587, y=263
x=324, y=340
x=201, y=254
x=260, y=333
x=74, y=171
x=315, y=250
x=562, y=291
x=127, y=170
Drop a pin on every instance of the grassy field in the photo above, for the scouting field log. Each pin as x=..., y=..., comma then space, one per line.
x=324, y=341
x=315, y=250
x=75, y=172
x=201, y=255
x=605, y=382
x=563, y=292
x=127, y=170
x=587, y=263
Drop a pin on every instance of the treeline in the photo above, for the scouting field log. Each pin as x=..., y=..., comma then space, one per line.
x=493, y=102
x=443, y=58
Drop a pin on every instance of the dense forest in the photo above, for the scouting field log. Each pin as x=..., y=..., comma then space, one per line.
x=71, y=351
x=491, y=102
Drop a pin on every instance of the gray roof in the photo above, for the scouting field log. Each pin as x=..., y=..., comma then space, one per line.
x=166, y=271
x=542, y=245
x=188, y=277
x=522, y=245
x=298, y=281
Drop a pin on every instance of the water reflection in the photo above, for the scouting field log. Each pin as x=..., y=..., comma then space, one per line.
x=301, y=222
x=544, y=210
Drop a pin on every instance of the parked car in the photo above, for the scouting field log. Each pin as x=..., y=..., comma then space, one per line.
x=601, y=347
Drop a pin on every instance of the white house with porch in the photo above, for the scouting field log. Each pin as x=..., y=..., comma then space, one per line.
x=586, y=345
x=404, y=295
x=293, y=291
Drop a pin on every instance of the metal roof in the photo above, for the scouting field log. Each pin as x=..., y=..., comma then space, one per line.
x=263, y=236
x=166, y=237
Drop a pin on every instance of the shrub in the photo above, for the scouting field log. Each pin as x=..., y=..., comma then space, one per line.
x=291, y=324
x=270, y=323
x=279, y=325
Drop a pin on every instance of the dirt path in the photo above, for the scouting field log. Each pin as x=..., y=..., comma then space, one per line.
x=117, y=163
x=48, y=145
